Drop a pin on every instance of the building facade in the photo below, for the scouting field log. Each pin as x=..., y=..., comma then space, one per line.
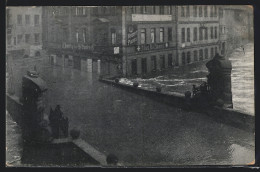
x=198, y=33
x=236, y=24
x=24, y=31
x=131, y=40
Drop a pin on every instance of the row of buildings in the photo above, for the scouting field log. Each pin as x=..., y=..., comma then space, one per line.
x=133, y=40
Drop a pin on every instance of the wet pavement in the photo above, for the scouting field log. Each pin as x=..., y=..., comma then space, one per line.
x=138, y=130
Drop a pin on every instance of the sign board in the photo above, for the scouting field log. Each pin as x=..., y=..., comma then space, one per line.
x=132, y=35
x=151, y=17
x=77, y=46
x=156, y=46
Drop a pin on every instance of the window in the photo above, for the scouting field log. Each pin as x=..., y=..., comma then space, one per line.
x=200, y=11
x=162, y=61
x=143, y=36
x=195, y=36
x=177, y=61
x=76, y=11
x=27, y=19
x=77, y=36
x=188, y=34
x=133, y=9
x=220, y=13
x=27, y=38
x=211, y=11
x=79, y=10
x=143, y=9
x=183, y=58
x=194, y=11
x=216, y=32
x=182, y=35
x=211, y=32
x=65, y=34
x=84, y=34
x=161, y=34
x=19, y=19
x=216, y=50
x=9, y=39
x=188, y=57
x=84, y=10
x=19, y=38
x=195, y=55
x=14, y=40
x=215, y=11
x=153, y=9
x=205, y=11
x=113, y=36
x=36, y=20
x=169, y=9
x=169, y=60
x=200, y=33
x=153, y=62
x=182, y=11
x=206, y=33
x=212, y=52
x=144, y=65
x=206, y=53
x=36, y=37
x=161, y=9
x=201, y=54
x=104, y=10
x=134, y=66
x=153, y=35
x=188, y=11
x=169, y=34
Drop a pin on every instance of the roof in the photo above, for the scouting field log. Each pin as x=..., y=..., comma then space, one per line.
x=37, y=81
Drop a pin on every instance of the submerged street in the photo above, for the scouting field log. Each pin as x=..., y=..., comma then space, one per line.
x=138, y=130
x=182, y=79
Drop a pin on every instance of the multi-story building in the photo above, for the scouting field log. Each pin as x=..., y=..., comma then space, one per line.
x=198, y=33
x=236, y=24
x=24, y=31
x=132, y=40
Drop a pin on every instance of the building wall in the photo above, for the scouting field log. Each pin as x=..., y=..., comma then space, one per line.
x=238, y=23
x=191, y=18
x=25, y=35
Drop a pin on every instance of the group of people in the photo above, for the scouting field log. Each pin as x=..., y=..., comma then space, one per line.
x=58, y=123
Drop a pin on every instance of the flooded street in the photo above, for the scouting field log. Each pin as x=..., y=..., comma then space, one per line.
x=182, y=79
x=141, y=131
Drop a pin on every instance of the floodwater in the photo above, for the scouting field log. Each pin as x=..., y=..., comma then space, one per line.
x=182, y=79
x=138, y=130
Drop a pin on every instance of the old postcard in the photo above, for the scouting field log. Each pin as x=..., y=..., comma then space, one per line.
x=129, y=86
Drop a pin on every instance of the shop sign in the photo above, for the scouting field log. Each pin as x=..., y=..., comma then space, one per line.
x=147, y=47
x=78, y=47
x=132, y=35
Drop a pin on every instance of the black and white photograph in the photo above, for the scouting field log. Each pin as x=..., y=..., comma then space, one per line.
x=130, y=86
